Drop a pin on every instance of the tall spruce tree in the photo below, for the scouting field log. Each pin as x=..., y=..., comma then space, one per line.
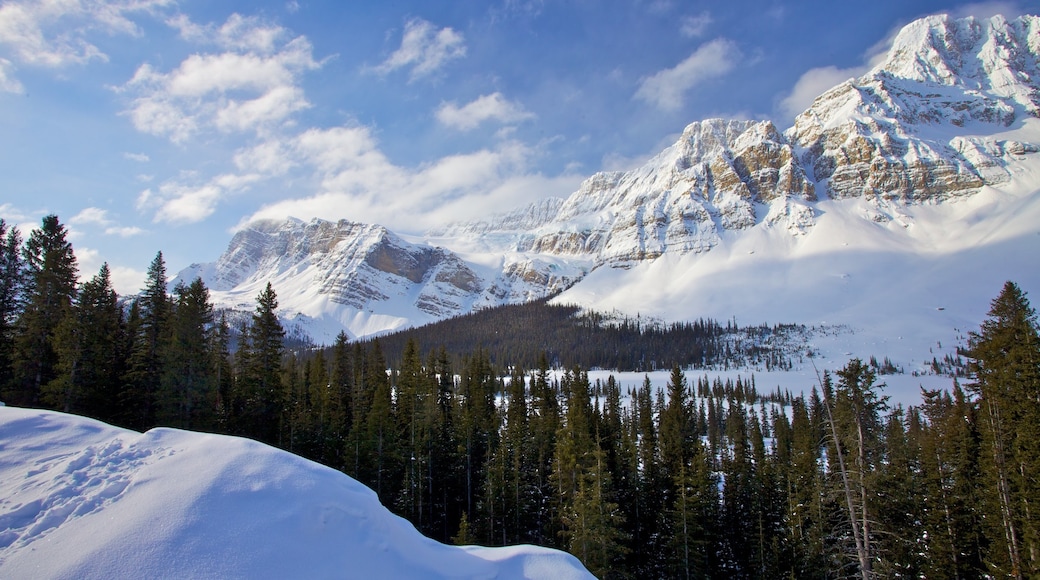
x=151, y=333
x=50, y=289
x=264, y=395
x=1005, y=357
x=89, y=343
x=12, y=275
x=188, y=396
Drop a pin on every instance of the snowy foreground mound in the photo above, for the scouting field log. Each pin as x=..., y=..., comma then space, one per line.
x=82, y=499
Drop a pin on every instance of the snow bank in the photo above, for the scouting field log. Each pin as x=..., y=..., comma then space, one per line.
x=82, y=499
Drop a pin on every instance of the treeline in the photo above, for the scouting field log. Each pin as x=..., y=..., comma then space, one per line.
x=520, y=334
x=703, y=480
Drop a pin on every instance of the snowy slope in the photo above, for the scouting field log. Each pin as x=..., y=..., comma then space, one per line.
x=82, y=499
x=895, y=206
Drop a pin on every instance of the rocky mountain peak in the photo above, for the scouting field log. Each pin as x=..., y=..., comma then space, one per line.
x=909, y=130
x=952, y=108
x=993, y=54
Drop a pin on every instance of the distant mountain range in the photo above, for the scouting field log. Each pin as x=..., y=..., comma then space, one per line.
x=910, y=191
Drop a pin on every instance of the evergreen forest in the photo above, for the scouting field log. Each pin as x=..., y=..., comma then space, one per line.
x=495, y=445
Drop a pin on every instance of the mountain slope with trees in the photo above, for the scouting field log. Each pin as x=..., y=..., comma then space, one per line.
x=702, y=478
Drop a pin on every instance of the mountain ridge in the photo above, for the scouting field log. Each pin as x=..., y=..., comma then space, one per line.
x=946, y=121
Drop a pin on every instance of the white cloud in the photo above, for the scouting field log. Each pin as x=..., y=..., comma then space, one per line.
x=138, y=157
x=189, y=201
x=9, y=84
x=667, y=88
x=93, y=216
x=695, y=26
x=251, y=86
x=814, y=83
x=12, y=215
x=484, y=108
x=358, y=182
x=90, y=215
x=424, y=49
x=241, y=33
x=54, y=33
x=124, y=231
x=987, y=9
x=269, y=157
x=125, y=281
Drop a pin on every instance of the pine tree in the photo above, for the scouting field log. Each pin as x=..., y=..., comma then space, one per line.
x=648, y=517
x=188, y=395
x=950, y=487
x=593, y=524
x=899, y=498
x=261, y=387
x=807, y=516
x=855, y=425
x=545, y=423
x=12, y=277
x=50, y=289
x=225, y=378
x=89, y=344
x=144, y=369
x=1005, y=357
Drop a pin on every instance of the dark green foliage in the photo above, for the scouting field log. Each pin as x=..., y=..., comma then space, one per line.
x=691, y=479
x=521, y=334
x=49, y=292
x=12, y=280
x=188, y=384
x=1005, y=357
x=149, y=328
x=89, y=343
x=261, y=412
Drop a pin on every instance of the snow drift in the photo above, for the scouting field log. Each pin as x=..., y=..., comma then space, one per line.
x=82, y=499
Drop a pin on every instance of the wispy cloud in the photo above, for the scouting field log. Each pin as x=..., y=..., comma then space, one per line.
x=812, y=84
x=9, y=84
x=358, y=181
x=188, y=199
x=424, y=49
x=90, y=215
x=250, y=86
x=56, y=34
x=125, y=280
x=94, y=216
x=667, y=89
x=138, y=157
x=695, y=26
x=484, y=108
x=987, y=9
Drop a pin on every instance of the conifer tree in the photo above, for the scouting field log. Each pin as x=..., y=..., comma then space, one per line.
x=593, y=524
x=1005, y=357
x=649, y=527
x=261, y=387
x=899, y=497
x=225, y=377
x=90, y=355
x=12, y=277
x=144, y=369
x=187, y=396
x=545, y=422
x=807, y=515
x=50, y=289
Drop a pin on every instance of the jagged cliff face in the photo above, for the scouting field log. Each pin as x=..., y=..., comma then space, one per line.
x=711, y=180
x=888, y=133
x=938, y=119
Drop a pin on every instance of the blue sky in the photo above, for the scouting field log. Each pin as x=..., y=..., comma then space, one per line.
x=150, y=125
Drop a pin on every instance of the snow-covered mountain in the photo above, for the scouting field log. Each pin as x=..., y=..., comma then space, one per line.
x=910, y=191
x=82, y=499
